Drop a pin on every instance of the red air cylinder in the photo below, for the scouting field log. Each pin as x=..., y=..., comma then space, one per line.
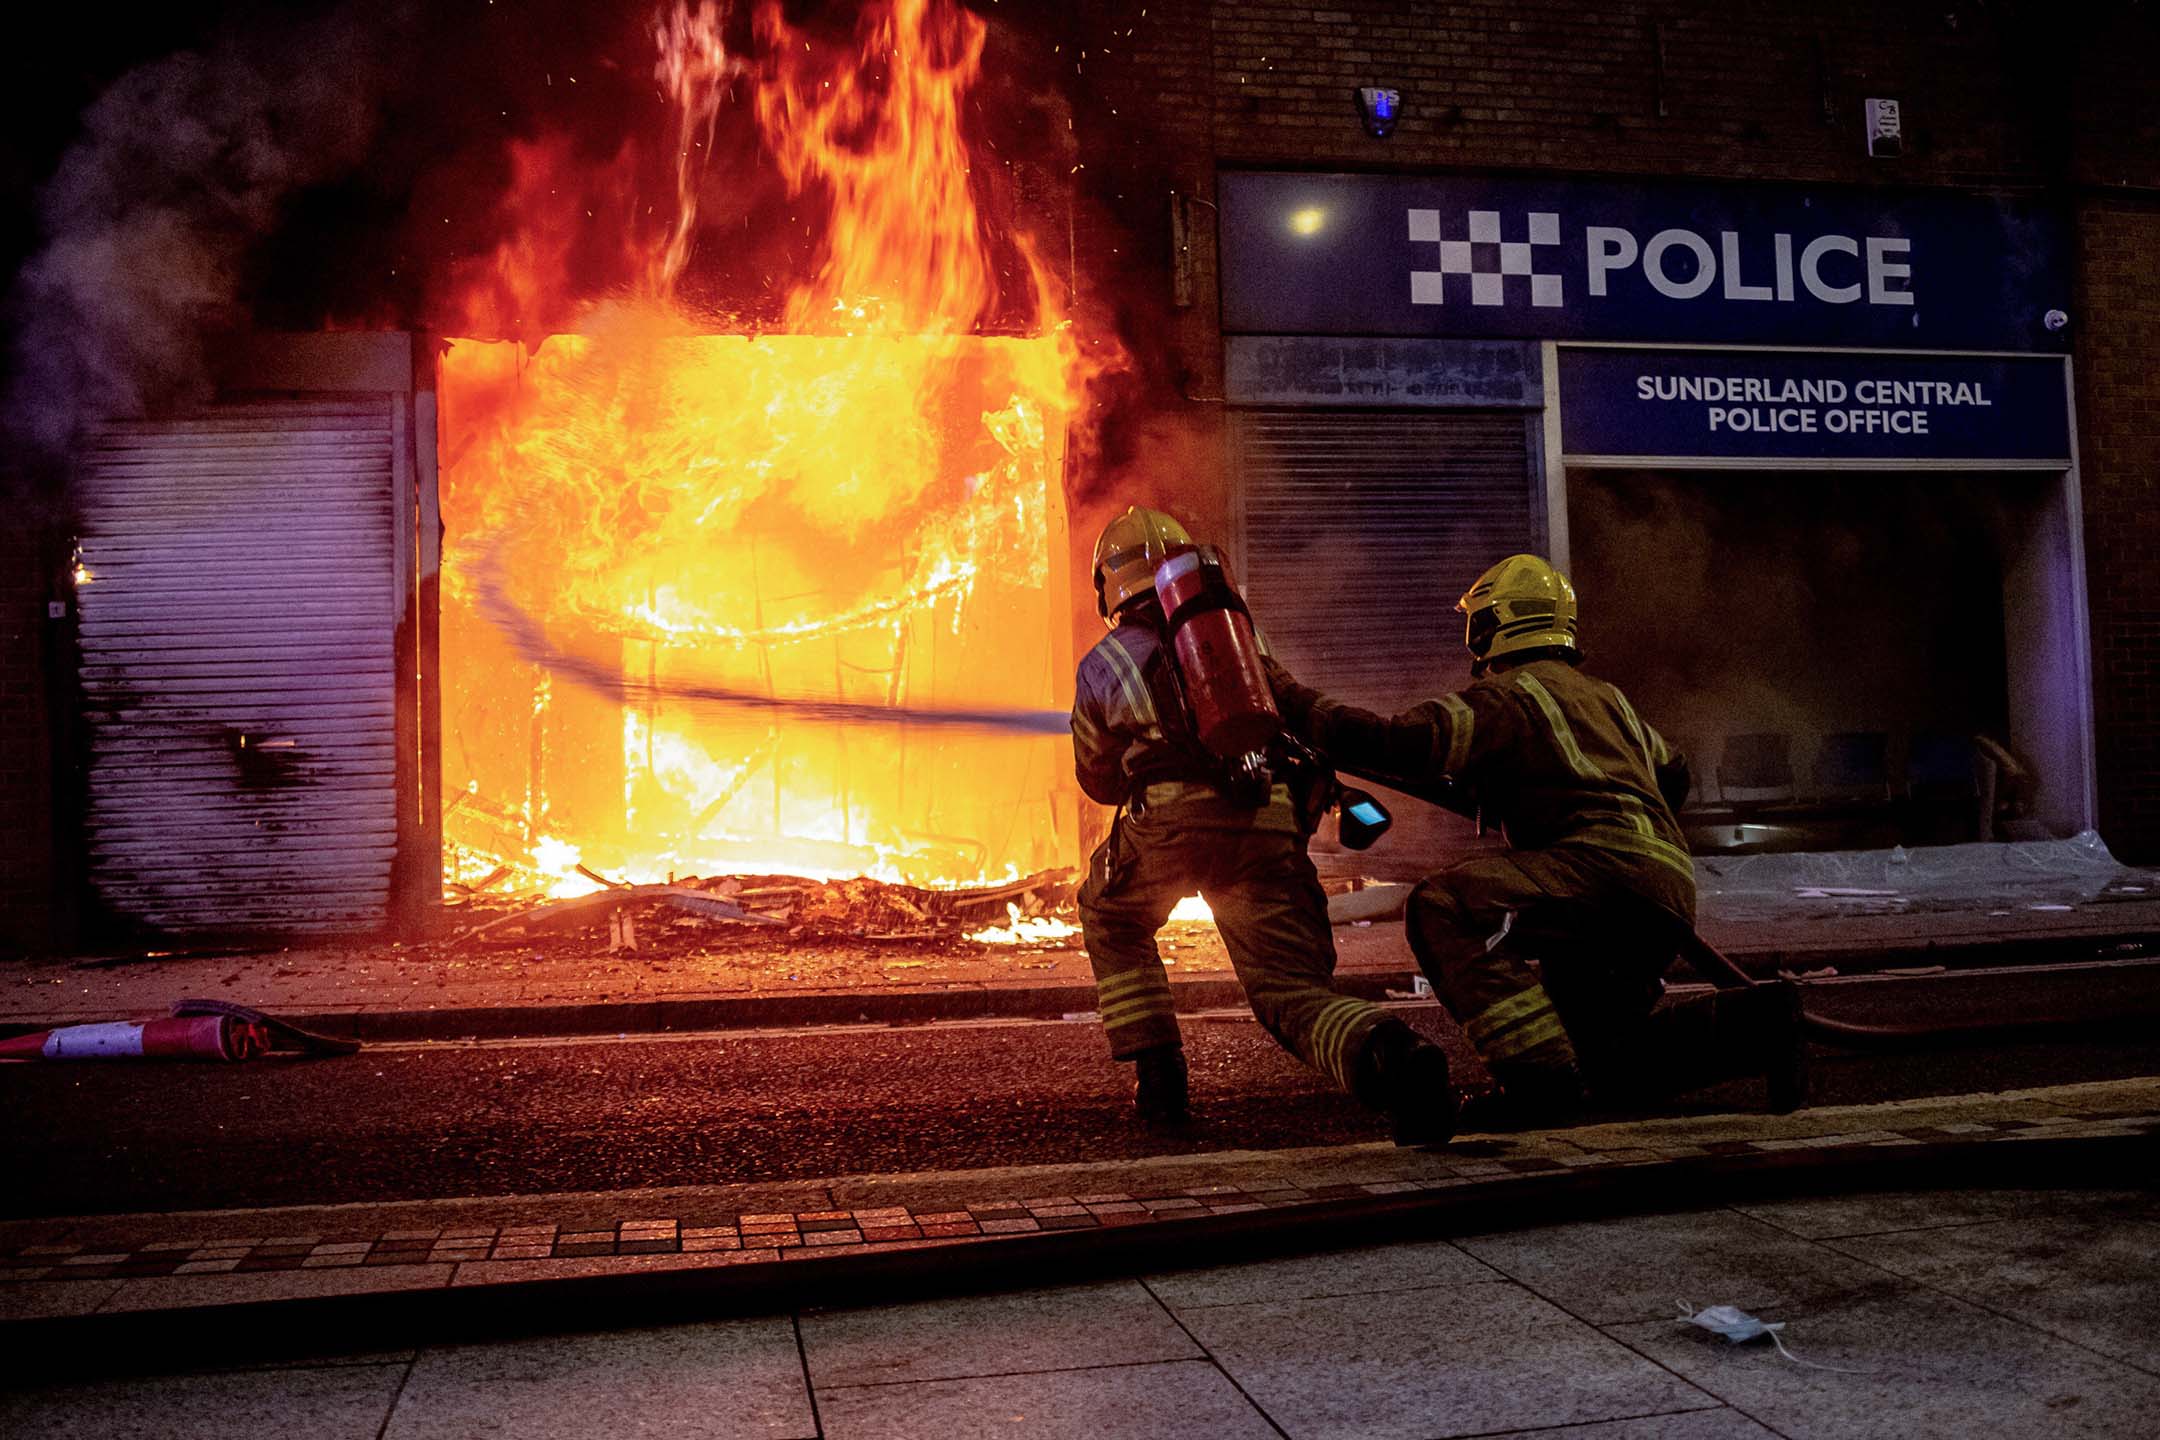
x=1218, y=655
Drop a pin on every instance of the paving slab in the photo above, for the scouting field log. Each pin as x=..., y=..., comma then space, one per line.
x=2103, y=1097
x=1371, y=1271
x=1638, y=1267
x=1117, y=1323
x=170, y=1292
x=47, y=1299
x=1425, y=1364
x=347, y=1402
x=2090, y=1278
x=1823, y=1217
x=499, y=1272
x=1124, y=1402
x=1922, y=1364
x=724, y=1380
x=1721, y=1424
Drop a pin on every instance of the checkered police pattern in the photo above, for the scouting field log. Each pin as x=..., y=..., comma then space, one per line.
x=1500, y=259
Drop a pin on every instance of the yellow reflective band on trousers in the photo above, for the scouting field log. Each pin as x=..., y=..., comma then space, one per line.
x=1326, y=1043
x=1633, y=842
x=1462, y=722
x=1130, y=681
x=1563, y=734
x=1133, y=996
x=1513, y=1028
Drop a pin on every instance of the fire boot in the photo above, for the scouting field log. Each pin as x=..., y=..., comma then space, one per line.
x=1524, y=1097
x=1726, y=1035
x=1161, y=1093
x=1772, y=1011
x=1406, y=1075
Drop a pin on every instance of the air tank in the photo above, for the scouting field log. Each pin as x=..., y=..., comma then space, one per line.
x=1217, y=651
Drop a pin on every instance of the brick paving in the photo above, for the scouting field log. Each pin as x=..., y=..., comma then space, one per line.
x=1494, y=1163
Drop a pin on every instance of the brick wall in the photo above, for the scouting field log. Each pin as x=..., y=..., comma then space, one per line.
x=2119, y=438
x=2010, y=93
x=26, y=851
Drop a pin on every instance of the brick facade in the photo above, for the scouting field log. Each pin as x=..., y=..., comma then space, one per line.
x=2119, y=438
x=2003, y=95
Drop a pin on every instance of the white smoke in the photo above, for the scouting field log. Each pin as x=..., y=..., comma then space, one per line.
x=182, y=164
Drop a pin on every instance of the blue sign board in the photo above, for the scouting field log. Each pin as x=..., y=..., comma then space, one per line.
x=1723, y=405
x=1567, y=260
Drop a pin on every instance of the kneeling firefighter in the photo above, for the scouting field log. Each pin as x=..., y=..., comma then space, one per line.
x=1597, y=885
x=1149, y=738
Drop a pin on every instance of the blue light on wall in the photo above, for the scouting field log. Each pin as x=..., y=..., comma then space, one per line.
x=1380, y=107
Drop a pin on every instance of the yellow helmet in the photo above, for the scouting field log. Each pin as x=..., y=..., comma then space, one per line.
x=1520, y=604
x=1130, y=548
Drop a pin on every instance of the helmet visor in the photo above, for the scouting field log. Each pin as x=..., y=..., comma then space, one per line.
x=1479, y=629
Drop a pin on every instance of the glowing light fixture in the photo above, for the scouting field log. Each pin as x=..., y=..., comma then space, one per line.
x=1308, y=221
x=1381, y=107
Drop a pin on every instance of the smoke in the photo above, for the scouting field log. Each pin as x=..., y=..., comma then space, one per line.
x=182, y=165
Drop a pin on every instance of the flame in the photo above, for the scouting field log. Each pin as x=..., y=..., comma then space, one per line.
x=1191, y=910
x=1024, y=929
x=865, y=508
x=557, y=861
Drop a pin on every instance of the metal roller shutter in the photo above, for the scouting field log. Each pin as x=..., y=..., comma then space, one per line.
x=237, y=631
x=1360, y=531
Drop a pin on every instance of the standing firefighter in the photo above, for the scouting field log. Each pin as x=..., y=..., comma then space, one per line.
x=1597, y=885
x=1186, y=824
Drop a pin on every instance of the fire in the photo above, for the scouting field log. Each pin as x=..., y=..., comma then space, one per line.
x=648, y=507
x=1024, y=929
x=1192, y=910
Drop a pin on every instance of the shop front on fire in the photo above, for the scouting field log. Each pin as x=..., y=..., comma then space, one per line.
x=609, y=580
x=1807, y=453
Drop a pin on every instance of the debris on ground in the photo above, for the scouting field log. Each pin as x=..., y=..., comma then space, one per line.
x=701, y=911
x=1739, y=1327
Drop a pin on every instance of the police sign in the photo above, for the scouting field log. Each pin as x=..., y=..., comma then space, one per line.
x=1535, y=259
x=1625, y=405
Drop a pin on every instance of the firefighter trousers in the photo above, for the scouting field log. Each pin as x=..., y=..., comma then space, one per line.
x=1272, y=915
x=1602, y=949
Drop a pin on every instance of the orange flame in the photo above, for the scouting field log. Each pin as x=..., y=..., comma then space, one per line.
x=865, y=508
x=880, y=130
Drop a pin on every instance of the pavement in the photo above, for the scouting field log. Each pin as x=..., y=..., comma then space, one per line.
x=1938, y=1266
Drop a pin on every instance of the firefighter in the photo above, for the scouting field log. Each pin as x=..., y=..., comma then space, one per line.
x=1596, y=885
x=1182, y=826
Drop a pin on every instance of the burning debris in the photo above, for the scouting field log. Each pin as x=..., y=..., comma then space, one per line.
x=694, y=913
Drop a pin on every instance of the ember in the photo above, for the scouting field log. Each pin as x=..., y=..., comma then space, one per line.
x=863, y=512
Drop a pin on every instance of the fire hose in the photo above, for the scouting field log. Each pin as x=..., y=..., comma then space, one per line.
x=215, y=1030
x=1726, y=974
